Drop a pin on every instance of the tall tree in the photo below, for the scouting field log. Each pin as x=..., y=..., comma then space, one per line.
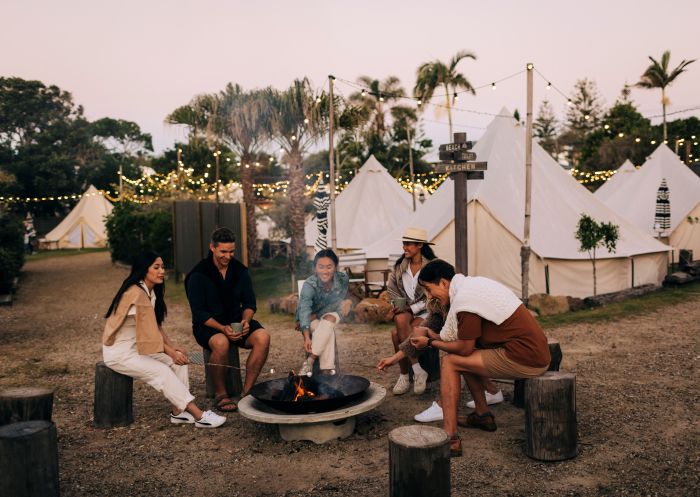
x=545, y=128
x=583, y=116
x=657, y=75
x=298, y=120
x=436, y=74
x=376, y=101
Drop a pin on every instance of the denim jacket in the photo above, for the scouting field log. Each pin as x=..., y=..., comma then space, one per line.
x=314, y=300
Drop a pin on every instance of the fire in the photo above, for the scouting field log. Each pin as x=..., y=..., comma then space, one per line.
x=301, y=392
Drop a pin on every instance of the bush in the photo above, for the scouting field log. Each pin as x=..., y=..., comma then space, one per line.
x=132, y=228
x=11, y=250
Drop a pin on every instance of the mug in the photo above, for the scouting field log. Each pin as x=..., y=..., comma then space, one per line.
x=399, y=303
x=237, y=327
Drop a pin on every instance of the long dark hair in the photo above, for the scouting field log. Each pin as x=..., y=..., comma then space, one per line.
x=435, y=271
x=138, y=272
x=425, y=251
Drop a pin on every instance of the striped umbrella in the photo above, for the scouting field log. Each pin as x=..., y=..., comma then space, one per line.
x=321, y=203
x=662, y=219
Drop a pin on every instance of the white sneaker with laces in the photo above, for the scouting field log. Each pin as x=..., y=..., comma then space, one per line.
x=496, y=398
x=184, y=418
x=210, y=420
x=420, y=380
x=432, y=413
x=402, y=386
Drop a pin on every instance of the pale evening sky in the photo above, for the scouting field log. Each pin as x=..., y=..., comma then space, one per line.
x=139, y=60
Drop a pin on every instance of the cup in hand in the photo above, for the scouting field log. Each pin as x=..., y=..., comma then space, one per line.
x=399, y=304
x=237, y=328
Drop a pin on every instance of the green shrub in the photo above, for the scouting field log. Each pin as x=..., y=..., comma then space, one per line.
x=11, y=250
x=132, y=228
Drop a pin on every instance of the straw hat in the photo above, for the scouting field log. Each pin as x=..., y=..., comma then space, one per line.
x=415, y=235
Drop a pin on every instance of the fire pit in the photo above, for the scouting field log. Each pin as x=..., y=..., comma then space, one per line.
x=326, y=415
x=303, y=395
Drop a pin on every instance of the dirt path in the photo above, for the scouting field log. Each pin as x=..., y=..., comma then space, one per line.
x=637, y=401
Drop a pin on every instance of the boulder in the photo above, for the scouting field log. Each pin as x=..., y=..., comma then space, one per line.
x=575, y=304
x=548, y=305
x=678, y=278
x=288, y=304
x=372, y=311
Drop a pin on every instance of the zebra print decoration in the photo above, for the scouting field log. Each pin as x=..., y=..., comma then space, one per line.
x=662, y=219
x=321, y=204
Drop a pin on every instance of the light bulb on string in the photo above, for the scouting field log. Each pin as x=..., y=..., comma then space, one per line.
x=493, y=86
x=381, y=97
x=364, y=92
x=549, y=86
x=569, y=103
x=587, y=117
x=306, y=121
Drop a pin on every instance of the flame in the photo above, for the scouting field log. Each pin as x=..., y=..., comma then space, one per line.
x=301, y=392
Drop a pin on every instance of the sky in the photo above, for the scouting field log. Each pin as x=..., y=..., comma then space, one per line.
x=139, y=60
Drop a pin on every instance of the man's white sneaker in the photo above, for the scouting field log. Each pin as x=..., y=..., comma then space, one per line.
x=496, y=398
x=402, y=386
x=184, y=418
x=420, y=380
x=432, y=413
x=210, y=420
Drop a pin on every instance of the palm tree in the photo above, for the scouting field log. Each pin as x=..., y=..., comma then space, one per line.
x=657, y=76
x=376, y=99
x=436, y=74
x=298, y=119
x=243, y=125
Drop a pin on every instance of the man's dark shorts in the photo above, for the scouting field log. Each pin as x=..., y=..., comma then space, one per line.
x=204, y=333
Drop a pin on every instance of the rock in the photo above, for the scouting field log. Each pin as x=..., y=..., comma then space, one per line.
x=548, y=305
x=289, y=304
x=575, y=304
x=678, y=278
x=372, y=311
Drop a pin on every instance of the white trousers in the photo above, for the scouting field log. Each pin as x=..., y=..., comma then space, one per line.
x=157, y=370
x=323, y=340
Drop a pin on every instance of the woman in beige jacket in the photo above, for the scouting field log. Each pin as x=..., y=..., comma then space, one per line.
x=134, y=344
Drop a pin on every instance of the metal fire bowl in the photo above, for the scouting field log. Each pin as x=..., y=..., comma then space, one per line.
x=351, y=387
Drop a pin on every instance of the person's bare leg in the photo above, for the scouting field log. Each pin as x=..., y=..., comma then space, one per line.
x=192, y=409
x=449, y=395
x=475, y=384
x=219, y=345
x=489, y=386
x=259, y=343
x=400, y=333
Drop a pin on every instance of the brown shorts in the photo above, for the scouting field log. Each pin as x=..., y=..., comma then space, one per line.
x=501, y=367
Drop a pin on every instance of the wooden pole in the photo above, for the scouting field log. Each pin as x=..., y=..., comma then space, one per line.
x=331, y=163
x=121, y=183
x=29, y=459
x=217, y=215
x=550, y=417
x=525, y=250
x=419, y=462
x=461, y=228
x=25, y=404
x=410, y=166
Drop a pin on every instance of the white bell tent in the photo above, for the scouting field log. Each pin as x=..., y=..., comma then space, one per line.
x=84, y=226
x=621, y=176
x=636, y=199
x=366, y=210
x=496, y=219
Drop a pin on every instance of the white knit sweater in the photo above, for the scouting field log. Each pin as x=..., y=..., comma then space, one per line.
x=487, y=298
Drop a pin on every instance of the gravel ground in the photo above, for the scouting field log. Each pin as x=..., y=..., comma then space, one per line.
x=637, y=404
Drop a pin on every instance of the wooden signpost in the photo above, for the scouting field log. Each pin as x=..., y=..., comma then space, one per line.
x=457, y=160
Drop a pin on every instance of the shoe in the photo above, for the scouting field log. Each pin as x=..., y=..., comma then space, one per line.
x=496, y=398
x=307, y=367
x=432, y=413
x=455, y=446
x=484, y=421
x=184, y=418
x=210, y=420
x=402, y=385
x=420, y=380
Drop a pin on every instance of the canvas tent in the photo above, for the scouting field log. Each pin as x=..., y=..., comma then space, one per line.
x=621, y=176
x=636, y=199
x=369, y=207
x=496, y=219
x=84, y=226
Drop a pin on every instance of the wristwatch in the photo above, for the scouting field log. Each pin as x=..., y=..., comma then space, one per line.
x=430, y=342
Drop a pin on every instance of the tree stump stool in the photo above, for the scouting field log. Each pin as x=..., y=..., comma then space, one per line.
x=550, y=417
x=25, y=404
x=519, y=385
x=29, y=459
x=419, y=462
x=232, y=375
x=113, y=398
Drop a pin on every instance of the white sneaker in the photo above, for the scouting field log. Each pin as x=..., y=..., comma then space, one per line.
x=402, y=386
x=496, y=398
x=420, y=380
x=307, y=367
x=210, y=420
x=184, y=418
x=432, y=413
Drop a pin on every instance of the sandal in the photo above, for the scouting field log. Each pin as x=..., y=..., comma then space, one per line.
x=224, y=404
x=455, y=446
x=484, y=421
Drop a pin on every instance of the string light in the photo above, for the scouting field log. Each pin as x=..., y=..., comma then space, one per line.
x=493, y=86
x=549, y=86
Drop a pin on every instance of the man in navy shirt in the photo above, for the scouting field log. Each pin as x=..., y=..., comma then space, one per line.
x=220, y=292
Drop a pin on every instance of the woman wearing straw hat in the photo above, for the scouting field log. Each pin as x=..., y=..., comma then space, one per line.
x=408, y=303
